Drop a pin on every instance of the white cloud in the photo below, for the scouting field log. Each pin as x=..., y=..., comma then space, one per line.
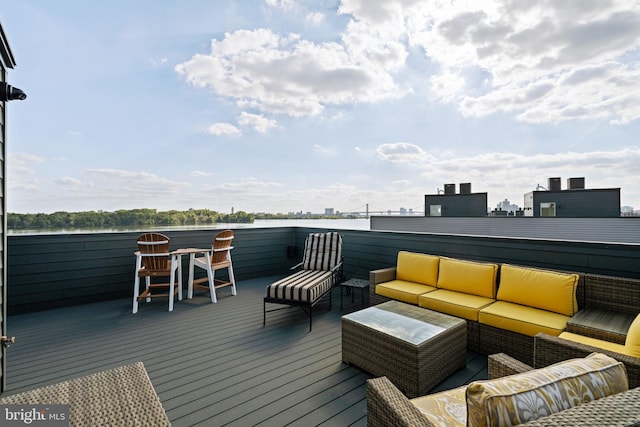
x=285, y=5
x=257, y=121
x=246, y=185
x=314, y=18
x=545, y=61
x=405, y=153
x=24, y=158
x=21, y=166
x=323, y=150
x=200, y=173
x=286, y=75
x=132, y=183
x=68, y=181
x=219, y=129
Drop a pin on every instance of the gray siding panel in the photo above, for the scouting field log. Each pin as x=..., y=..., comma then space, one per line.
x=608, y=230
x=55, y=270
x=48, y=271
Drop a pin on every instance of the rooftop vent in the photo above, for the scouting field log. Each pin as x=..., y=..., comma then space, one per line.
x=554, y=184
x=449, y=189
x=575, y=183
x=465, y=188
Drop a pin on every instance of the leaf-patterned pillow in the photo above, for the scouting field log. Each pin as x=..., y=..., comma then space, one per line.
x=520, y=398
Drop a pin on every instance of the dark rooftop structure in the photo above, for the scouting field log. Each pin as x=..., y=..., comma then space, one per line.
x=575, y=201
x=452, y=204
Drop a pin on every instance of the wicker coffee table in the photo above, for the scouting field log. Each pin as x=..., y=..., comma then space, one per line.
x=414, y=347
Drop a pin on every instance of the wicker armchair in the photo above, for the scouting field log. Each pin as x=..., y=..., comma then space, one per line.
x=549, y=350
x=387, y=406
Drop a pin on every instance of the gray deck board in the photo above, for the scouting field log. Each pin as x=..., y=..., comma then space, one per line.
x=211, y=364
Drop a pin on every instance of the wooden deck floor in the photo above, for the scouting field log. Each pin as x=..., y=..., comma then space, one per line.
x=211, y=364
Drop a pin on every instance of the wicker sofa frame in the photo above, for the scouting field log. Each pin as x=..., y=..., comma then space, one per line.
x=386, y=405
x=608, y=294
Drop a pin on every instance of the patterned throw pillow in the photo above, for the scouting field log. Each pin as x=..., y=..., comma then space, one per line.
x=446, y=409
x=520, y=398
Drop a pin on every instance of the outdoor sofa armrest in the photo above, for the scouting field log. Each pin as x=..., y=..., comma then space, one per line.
x=501, y=365
x=387, y=406
x=381, y=276
x=549, y=349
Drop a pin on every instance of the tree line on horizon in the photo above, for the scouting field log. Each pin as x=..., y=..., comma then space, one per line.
x=123, y=218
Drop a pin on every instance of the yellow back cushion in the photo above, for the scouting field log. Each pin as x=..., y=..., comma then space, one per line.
x=541, y=289
x=520, y=398
x=419, y=268
x=469, y=277
x=632, y=343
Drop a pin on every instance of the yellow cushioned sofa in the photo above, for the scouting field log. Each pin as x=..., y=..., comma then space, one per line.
x=505, y=305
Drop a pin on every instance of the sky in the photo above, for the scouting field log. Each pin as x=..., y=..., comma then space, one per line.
x=296, y=106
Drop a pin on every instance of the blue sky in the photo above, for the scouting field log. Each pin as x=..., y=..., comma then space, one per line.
x=288, y=106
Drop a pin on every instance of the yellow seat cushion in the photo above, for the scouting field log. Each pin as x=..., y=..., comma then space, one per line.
x=470, y=277
x=418, y=268
x=541, y=289
x=632, y=343
x=594, y=342
x=444, y=409
x=457, y=304
x=401, y=290
x=520, y=398
x=522, y=319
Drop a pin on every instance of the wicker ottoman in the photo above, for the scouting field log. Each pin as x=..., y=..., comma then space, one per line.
x=414, y=347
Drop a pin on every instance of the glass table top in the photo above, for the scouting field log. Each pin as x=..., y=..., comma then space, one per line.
x=404, y=321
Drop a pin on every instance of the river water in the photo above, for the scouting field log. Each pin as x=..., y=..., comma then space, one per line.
x=333, y=224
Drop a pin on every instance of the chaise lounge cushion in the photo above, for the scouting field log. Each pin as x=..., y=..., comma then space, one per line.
x=524, y=397
x=541, y=289
x=322, y=251
x=304, y=285
x=416, y=274
x=522, y=319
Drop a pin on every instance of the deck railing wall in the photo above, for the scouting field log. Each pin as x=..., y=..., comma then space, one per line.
x=53, y=270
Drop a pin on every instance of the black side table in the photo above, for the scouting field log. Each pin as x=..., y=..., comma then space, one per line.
x=352, y=285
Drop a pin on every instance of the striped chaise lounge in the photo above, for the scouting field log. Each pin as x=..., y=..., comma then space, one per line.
x=319, y=271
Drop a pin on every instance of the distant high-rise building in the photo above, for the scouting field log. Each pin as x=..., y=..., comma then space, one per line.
x=507, y=206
